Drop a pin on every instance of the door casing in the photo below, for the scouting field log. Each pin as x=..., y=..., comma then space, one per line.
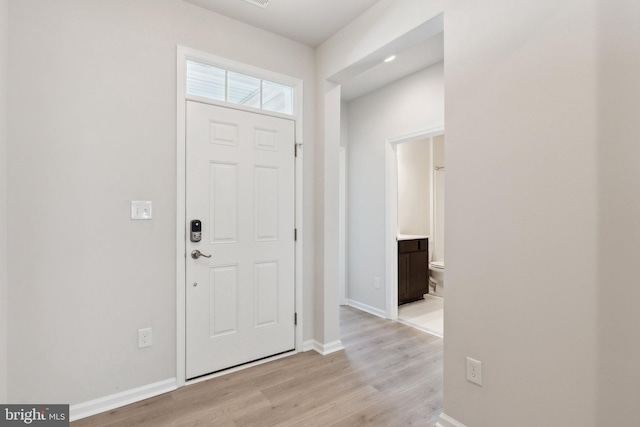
x=184, y=53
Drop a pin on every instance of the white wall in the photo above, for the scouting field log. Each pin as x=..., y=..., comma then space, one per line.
x=343, y=231
x=412, y=104
x=618, y=317
x=414, y=187
x=521, y=230
x=328, y=222
x=92, y=127
x=4, y=35
x=437, y=236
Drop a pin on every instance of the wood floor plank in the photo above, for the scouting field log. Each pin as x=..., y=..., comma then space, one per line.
x=342, y=406
x=307, y=402
x=388, y=375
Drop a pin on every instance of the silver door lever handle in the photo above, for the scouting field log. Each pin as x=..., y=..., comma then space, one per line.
x=197, y=254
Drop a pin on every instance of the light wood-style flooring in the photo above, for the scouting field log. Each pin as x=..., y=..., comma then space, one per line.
x=388, y=375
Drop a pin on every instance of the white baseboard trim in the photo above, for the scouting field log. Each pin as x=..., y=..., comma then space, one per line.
x=103, y=404
x=447, y=421
x=332, y=347
x=325, y=349
x=308, y=345
x=422, y=328
x=367, y=308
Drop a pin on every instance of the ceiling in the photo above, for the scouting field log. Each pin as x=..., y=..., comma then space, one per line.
x=309, y=22
x=408, y=61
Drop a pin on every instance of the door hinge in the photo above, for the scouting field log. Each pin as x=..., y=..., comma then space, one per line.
x=295, y=234
x=295, y=318
x=295, y=150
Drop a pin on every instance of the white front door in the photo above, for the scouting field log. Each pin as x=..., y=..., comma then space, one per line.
x=240, y=186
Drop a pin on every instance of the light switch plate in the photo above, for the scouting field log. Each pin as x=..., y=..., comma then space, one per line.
x=141, y=209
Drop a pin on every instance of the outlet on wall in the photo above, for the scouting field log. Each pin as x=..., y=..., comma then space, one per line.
x=144, y=337
x=474, y=371
x=376, y=283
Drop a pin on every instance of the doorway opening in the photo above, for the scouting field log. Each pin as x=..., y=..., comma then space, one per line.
x=420, y=232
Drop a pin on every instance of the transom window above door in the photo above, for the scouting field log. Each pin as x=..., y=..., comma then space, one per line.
x=218, y=84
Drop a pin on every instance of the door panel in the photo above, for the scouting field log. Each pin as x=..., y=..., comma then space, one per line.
x=223, y=300
x=240, y=184
x=223, y=212
x=266, y=290
x=266, y=203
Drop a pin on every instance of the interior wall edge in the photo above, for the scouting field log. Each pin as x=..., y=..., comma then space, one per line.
x=4, y=304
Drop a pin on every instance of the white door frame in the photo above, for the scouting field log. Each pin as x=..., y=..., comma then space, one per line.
x=184, y=53
x=391, y=212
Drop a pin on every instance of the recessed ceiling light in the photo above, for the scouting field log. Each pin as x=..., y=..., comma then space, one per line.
x=391, y=58
x=259, y=3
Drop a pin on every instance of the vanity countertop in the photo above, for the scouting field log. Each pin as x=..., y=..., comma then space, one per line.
x=400, y=237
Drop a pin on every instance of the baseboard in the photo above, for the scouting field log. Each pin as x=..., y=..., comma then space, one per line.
x=308, y=345
x=447, y=421
x=423, y=329
x=367, y=308
x=332, y=347
x=103, y=404
x=325, y=349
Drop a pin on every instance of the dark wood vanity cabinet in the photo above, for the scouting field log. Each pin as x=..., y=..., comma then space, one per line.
x=413, y=274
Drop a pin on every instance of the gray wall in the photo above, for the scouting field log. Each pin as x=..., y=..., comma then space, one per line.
x=4, y=35
x=92, y=127
x=521, y=233
x=618, y=292
x=412, y=104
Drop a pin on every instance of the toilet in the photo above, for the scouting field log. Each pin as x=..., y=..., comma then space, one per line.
x=436, y=278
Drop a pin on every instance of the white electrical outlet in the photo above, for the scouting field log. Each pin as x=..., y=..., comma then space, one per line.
x=144, y=337
x=474, y=371
x=376, y=282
